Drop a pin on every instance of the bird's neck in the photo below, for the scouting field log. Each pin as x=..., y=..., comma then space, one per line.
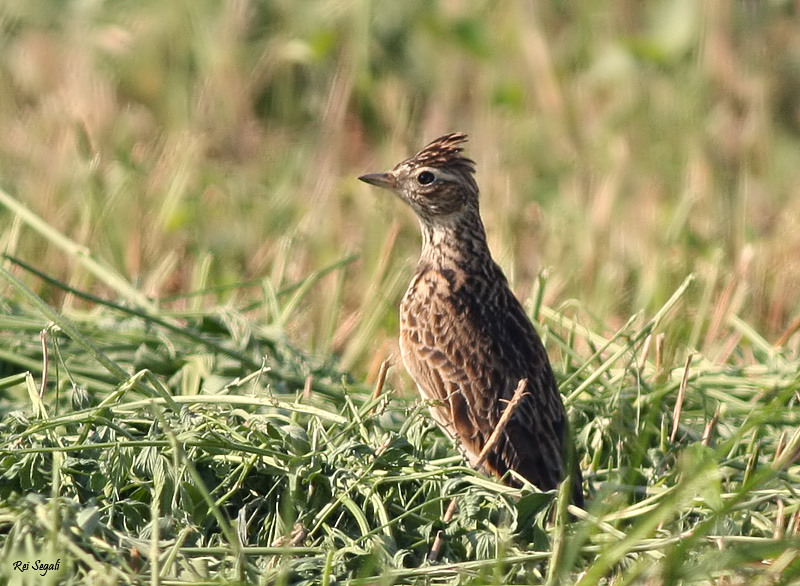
x=457, y=243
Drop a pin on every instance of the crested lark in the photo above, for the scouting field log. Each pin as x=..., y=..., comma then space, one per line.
x=464, y=337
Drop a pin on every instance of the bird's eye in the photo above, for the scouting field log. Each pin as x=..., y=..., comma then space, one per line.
x=426, y=178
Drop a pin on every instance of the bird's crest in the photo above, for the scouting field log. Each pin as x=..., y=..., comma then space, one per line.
x=445, y=151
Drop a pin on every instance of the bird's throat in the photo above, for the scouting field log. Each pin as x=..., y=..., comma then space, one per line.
x=460, y=243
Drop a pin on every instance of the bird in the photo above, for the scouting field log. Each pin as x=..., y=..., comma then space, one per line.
x=465, y=339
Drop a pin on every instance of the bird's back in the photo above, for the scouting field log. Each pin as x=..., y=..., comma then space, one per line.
x=467, y=342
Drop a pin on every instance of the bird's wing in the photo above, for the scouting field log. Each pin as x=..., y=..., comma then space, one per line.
x=471, y=357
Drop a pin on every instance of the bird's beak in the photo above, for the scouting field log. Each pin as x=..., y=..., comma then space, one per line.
x=386, y=180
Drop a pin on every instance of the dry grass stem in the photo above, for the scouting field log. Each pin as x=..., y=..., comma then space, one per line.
x=708, y=431
x=519, y=392
x=381, y=380
x=676, y=413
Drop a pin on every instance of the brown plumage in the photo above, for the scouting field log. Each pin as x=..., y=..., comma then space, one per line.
x=465, y=339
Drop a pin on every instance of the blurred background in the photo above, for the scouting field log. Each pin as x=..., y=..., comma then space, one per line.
x=211, y=146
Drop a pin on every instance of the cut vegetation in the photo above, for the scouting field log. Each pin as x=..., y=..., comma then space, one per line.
x=198, y=301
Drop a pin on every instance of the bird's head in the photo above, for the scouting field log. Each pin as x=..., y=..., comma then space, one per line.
x=437, y=182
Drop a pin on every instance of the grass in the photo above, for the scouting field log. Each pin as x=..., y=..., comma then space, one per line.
x=198, y=467
x=198, y=297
